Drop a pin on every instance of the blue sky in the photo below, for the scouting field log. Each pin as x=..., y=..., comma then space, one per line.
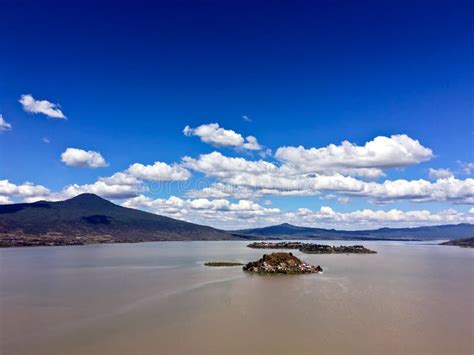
x=129, y=76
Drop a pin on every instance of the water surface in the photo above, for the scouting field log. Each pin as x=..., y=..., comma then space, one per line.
x=158, y=298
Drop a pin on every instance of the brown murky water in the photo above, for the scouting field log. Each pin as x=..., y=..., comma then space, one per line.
x=158, y=298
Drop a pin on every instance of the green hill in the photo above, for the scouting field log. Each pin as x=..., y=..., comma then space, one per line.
x=87, y=218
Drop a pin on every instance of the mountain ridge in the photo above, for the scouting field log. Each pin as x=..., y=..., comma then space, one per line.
x=88, y=218
x=289, y=231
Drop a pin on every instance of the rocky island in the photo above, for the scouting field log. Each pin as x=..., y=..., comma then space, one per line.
x=275, y=245
x=281, y=263
x=309, y=248
x=341, y=249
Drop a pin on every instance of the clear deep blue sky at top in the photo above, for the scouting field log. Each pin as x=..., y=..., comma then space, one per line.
x=130, y=75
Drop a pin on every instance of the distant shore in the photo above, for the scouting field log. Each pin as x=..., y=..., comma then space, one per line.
x=17, y=241
x=312, y=248
x=464, y=243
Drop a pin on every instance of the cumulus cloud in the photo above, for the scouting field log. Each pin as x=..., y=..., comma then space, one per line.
x=118, y=186
x=449, y=189
x=252, y=143
x=333, y=172
x=210, y=212
x=27, y=191
x=83, y=159
x=216, y=164
x=439, y=173
x=41, y=106
x=4, y=125
x=222, y=213
x=368, y=219
x=349, y=159
x=220, y=190
x=5, y=200
x=217, y=136
x=159, y=171
x=269, y=179
x=466, y=168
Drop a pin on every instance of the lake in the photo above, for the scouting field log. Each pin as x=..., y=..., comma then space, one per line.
x=159, y=298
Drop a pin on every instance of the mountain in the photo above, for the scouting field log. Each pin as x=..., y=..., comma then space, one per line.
x=465, y=242
x=87, y=218
x=288, y=231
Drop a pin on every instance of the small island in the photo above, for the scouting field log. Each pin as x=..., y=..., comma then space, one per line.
x=341, y=249
x=275, y=245
x=281, y=263
x=309, y=248
x=222, y=263
x=464, y=243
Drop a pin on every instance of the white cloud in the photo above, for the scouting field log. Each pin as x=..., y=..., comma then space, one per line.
x=45, y=140
x=450, y=189
x=246, y=118
x=5, y=200
x=159, y=171
x=341, y=199
x=203, y=211
x=83, y=159
x=439, y=173
x=118, y=186
x=349, y=159
x=220, y=190
x=266, y=178
x=245, y=214
x=330, y=172
x=217, y=136
x=41, y=106
x=27, y=191
x=218, y=165
x=252, y=143
x=466, y=168
x=367, y=219
x=213, y=134
x=4, y=125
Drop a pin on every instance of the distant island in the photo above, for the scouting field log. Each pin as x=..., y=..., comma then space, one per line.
x=309, y=248
x=465, y=242
x=281, y=263
x=222, y=263
x=90, y=219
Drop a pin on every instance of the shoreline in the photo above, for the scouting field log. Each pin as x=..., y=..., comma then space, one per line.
x=309, y=241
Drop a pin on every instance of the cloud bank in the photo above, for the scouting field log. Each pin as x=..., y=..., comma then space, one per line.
x=368, y=161
x=225, y=214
